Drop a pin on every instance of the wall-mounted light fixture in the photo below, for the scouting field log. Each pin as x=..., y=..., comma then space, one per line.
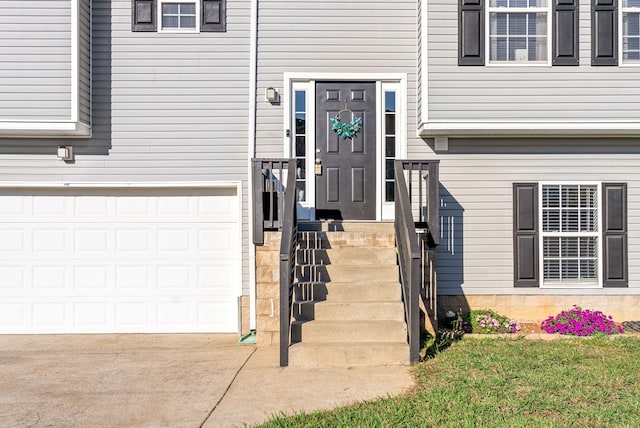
x=65, y=153
x=271, y=94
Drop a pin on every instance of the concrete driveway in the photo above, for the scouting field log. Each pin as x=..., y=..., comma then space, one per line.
x=167, y=380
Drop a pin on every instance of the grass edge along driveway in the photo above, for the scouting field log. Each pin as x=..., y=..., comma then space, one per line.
x=507, y=383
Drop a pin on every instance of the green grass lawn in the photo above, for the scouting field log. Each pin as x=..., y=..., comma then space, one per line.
x=507, y=383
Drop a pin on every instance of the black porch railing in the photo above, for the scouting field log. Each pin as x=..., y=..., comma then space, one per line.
x=274, y=201
x=417, y=227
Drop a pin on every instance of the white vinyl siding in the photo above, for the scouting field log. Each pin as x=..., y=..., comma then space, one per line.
x=475, y=255
x=582, y=94
x=167, y=108
x=35, y=47
x=319, y=38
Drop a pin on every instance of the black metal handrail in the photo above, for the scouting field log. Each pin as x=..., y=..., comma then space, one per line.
x=288, y=245
x=268, y=195
x=415, y=248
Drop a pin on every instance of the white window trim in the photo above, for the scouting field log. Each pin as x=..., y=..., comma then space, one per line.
x=161, y=29
x=388, y=208
x=542, y=234
x=307, y=81
x=621, y=13
x=487, y=46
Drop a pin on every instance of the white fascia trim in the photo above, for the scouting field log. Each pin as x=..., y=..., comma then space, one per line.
x=126, y=185
x=54, y=129
x=75, y=58
x=529, y=129
x=300, y=77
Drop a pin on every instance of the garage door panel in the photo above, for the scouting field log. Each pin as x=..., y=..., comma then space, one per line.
x=109, y=260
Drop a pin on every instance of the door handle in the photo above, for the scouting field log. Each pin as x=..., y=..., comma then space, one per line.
x=318, y=166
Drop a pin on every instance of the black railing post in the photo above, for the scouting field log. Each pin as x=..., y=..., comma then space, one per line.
x=288, y=244
x=258, y=207
x=413, y=254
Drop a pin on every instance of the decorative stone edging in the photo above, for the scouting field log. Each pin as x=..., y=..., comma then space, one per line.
x=540, y=336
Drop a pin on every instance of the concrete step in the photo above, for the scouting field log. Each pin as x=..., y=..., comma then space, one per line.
x=348, y=331
x=345, y=273
x=348, y=354
x=329, y=240
x=346, y=226
x=336, y=291
x=349, y=311
x=348, y=256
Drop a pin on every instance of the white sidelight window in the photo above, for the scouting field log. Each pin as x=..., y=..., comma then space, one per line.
x=570, y=219
x=519, y=31
x=631, y=31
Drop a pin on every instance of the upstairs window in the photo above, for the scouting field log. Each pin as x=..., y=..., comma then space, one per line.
x=519, y=31
x=631, y=31
x=178, y=16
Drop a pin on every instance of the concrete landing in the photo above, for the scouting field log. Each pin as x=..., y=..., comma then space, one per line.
x=179, y=380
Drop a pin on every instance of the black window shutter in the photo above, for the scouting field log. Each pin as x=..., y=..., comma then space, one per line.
x=604, y=32
x=614, y=234
x=565, y=32
x=143, y=15
x=470, y=32
x=525, y=234
x=214, y=16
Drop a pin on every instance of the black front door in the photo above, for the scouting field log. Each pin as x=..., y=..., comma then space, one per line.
x=345, y=167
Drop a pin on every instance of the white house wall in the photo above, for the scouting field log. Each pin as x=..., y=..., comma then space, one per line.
x=35, y=47
x=475, y=256
x=526, y=93
x=166, y=108
x=348, y=37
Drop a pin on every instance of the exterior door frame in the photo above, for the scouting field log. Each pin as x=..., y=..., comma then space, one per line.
x=306, y=81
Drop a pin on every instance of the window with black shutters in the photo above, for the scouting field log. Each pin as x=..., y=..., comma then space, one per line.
x=570, y=234
x=178, y=15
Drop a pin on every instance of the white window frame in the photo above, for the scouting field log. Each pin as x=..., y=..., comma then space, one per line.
x=195, y=29
x=623, y=10
x=388, y=208
x=503, y=9
x=542, y=234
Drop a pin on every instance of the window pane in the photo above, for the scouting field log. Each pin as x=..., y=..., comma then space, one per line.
x=389, y=192
x=170, y=8
x=301, y=123
x=551, y=247
x=170, y=21
x=390, y=124
x=588, y=269
x=187, y=22
x=569, y=269
x=569, y=247
x=570, y=221
x=301, y=104
x=390, y=102
x=518, y=36
x=389, y=169
x=187, y=9
x=551, y=220
x=300, y=146
x=589, y=246
x=390, y=147
x=552, y=270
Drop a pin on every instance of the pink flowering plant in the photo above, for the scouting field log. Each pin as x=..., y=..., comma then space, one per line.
x=581, y=322
x=486, y=321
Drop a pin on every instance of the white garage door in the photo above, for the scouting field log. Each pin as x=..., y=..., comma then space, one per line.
x=119, y=260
